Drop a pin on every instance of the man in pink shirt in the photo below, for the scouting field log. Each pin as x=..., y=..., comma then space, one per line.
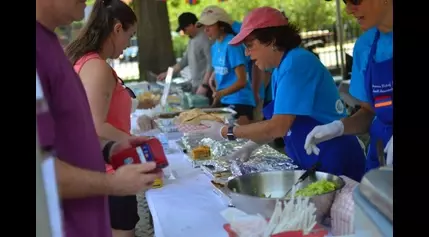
x=68, y=130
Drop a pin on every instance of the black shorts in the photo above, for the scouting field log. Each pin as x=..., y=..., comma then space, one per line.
x=242, y=110
x=123, y=212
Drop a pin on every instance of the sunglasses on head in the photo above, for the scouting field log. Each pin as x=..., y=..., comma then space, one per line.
x=130, y=92
x=353, y=2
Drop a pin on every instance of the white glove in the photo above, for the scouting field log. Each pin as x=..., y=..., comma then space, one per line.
x=322, y=133
x=389, y=150
x=243, y=154
x=214, y=130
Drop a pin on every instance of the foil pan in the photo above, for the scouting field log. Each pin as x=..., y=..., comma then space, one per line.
x=265, y=158
x=192, y=140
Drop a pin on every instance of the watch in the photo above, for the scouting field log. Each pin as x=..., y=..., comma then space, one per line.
x=230, y=134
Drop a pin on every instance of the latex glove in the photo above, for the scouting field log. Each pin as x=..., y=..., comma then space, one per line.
x=322, y=133
x=213, y=131
x=389, y=151
x=244, y=153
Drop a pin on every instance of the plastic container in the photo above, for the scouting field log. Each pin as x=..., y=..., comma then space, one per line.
x=151, y=150
x=162, y=137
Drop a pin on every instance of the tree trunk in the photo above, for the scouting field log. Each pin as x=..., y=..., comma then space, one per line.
x=154, y=37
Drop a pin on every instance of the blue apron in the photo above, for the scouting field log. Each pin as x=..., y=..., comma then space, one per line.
x=339, y=156
x=379, y=88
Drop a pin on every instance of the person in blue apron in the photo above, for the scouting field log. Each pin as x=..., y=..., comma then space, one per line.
x=371, y=84
x=230, y=65
x=304, y=96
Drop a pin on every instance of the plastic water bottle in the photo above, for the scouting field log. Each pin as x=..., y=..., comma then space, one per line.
x=164, y=142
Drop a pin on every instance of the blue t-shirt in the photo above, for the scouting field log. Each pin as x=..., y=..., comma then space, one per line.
x=361, y=52
x=225, y=58
x=236, y=26
x=303, y=86
x=268, y=90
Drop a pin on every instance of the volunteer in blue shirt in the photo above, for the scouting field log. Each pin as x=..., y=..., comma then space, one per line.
x=257, y=79
x=236, y=26
x=304, y=96
x=229, y=63
x=371, y=82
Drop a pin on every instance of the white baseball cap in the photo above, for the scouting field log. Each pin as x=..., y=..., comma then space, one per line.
x=213, y=14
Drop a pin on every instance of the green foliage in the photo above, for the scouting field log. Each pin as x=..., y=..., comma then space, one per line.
x=90, y=2
x=307, y=14
x=179, y=45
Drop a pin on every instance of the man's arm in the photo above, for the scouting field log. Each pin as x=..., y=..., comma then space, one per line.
x=74, y=182
x=182, y=63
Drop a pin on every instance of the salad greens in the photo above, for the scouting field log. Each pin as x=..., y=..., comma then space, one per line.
x=317, y=188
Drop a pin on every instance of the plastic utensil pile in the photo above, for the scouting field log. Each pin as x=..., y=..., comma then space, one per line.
x=297, y=214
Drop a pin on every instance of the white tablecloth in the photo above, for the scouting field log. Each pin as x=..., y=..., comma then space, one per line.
x=186, y=206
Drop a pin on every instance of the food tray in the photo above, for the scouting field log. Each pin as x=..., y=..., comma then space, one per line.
x=221, y=192
x=194, y=163
x=212, y=172
x=225, y=110
x=170, y=115
x=181, y=146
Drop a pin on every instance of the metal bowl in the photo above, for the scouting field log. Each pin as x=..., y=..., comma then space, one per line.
x=257, y=192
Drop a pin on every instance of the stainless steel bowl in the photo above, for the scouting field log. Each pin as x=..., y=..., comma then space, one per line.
x=257, y=192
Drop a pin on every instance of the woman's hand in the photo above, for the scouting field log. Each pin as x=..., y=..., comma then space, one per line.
x=217, y=95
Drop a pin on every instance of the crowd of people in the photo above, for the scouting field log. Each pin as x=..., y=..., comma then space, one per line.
x=256, y=67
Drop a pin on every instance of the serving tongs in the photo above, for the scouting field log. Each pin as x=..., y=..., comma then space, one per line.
x=304, y=176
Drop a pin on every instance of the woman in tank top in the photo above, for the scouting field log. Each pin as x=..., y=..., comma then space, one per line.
x=106, y=34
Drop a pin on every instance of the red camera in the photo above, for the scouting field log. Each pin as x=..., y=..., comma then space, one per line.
x=151, y=150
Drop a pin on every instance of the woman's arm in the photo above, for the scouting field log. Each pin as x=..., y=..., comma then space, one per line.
x=99, y=83
x=212, y=82
x=240, y=83
x=264, y=131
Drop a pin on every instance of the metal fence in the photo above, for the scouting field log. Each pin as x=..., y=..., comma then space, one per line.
x=325, y=43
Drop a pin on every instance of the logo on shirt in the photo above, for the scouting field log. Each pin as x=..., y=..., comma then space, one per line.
x=221, y=70
x=289, y=133
x=339, y=106
x=128, y=161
